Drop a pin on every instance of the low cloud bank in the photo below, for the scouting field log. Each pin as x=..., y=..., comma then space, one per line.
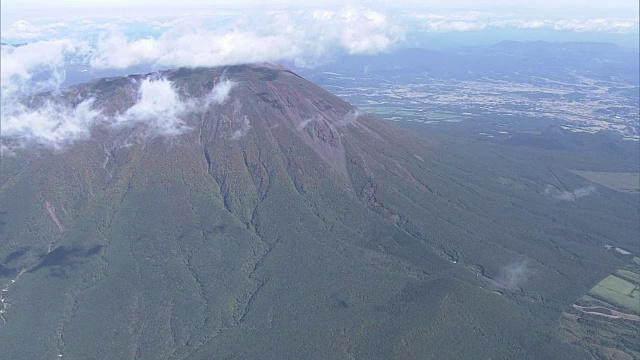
x=475, y=21
x=303, y=37
x=348, y=26
x=35, y=67
x=51, y=125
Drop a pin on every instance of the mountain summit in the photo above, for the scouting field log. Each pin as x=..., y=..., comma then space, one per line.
x=243, y=212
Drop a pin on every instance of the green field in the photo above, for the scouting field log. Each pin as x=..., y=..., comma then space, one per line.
x=629, y=275
x=625, y=182
x=619, y=292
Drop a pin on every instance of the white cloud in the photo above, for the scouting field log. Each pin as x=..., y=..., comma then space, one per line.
x=354, y=29
x=474, y=21
x=304, y=36
x=449, y=26
x=161, y=111
x=350, y=117
x=158, y=107
x=25, y=30
x=584, y=191
x=32, y=68
x=220, y=92
x=191, y=48
x=52, y=125
x=564, y=195
x=597, y=25
x=514, y=275
x=21, y=63
x=520, y=24
x=358, y=31
x=158, y=111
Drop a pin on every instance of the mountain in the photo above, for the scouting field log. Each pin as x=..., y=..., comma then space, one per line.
x=533, y=61
x=271, y=219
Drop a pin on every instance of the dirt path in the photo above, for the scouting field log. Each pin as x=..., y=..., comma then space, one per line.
x=605, y=312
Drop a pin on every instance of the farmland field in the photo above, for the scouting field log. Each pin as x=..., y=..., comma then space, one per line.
x=619, y=292
x=625, y=182
x=629, y=275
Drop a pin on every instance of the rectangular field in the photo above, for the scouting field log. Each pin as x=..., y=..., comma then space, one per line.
x=619, y=292
x=629, y=275
x=624, y=182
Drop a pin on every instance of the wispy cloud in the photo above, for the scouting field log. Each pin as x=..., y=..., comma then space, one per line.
x=475, y=21
x=565, y=195
x=350, y=117
x=32, y=68
x=53, y=124
x=515, y=274
x=161, y=110
x=35, y=66
x=597, y=25
x=303, y=124
x=25, y=30
x=220, y=92
x=158, y=107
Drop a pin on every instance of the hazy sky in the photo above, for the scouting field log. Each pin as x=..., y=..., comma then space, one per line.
x=570, y=8
x=120, y=34
x=470, y=3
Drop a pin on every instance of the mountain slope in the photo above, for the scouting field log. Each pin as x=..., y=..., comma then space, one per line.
x=280, y=223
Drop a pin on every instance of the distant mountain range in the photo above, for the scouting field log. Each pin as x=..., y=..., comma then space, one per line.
x=504, y=59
